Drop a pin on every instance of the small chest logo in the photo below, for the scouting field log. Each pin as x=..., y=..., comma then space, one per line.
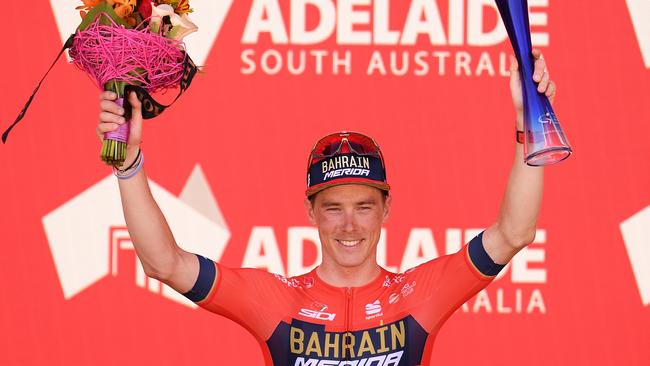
x=408, y=289
x=373, y=310
x=319, y=314
x=308, y=282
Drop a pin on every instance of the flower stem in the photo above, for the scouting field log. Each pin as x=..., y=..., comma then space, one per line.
x=114, y=144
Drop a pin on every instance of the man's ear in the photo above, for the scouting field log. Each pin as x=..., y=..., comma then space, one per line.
x=309, y=209
x=387, y=202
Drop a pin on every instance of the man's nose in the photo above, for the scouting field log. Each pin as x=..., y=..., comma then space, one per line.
x=350, y=221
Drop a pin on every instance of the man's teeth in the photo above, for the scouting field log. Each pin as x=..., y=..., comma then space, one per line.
x=349, y=243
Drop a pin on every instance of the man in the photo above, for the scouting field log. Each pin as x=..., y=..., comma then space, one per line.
x=349, y=310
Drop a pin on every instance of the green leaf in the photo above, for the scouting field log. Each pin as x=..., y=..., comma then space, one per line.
x=96, y=11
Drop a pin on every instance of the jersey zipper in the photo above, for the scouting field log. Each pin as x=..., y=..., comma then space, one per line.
x=348, y=308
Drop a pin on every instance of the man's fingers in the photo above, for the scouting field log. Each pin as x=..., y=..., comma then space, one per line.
x=540, y=68
x=550, y=91
x=136, y=120
x=110, y=106
x=541, y=87
x=103, y=128
x=107, y=95
x=514, y=74
x=107, y=127
x=136, y=108
x=111, y=118
x=541, y=75
x=135, y=102
x=514, y=65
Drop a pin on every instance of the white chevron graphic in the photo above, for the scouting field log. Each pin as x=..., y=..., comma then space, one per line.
x=640, y=14
x=636, y=235
x=87, y=234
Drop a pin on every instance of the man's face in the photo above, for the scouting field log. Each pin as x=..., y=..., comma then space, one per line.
x=349, y=219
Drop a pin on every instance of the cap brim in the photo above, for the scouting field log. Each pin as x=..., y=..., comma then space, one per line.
x=368, y=182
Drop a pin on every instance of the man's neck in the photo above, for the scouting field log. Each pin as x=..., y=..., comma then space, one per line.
x=339, y=276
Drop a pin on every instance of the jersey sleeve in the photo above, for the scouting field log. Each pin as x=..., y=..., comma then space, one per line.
x=449, y=281
x=251, y=297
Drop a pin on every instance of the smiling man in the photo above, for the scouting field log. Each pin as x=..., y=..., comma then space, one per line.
x=348, y=310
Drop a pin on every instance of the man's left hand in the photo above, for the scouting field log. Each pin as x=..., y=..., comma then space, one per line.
x=540, y=75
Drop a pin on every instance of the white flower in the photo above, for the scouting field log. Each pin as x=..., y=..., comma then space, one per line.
x=158, y=12
x=181, y=26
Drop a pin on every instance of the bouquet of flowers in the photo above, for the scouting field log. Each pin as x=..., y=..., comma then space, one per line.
x=122, y=43
x=129, y=45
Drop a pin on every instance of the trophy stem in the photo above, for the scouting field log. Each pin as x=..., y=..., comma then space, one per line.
x=545, y=141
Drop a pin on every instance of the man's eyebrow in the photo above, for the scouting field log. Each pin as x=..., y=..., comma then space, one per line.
x=369, y=201
x=365, y=201
x=330, y=203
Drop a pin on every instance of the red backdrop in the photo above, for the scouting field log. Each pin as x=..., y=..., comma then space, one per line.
x=580, y=295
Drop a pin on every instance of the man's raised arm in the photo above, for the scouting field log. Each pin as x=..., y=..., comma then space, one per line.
x=154, y=243
x=517, y=220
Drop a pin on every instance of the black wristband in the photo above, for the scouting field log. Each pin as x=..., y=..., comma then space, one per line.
x=132, y=163
x=519, y=136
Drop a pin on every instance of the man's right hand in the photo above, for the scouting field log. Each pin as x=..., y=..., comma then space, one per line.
x=111, y=116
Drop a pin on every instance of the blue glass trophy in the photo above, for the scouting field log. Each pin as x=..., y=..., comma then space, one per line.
x=544, y=140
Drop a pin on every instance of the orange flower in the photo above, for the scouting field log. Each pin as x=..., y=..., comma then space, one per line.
x=123, y=11
x=180, y=6
x=123, y=8
x=183, y=7
x=91, y=3
x=131, y=3
x=88, y=4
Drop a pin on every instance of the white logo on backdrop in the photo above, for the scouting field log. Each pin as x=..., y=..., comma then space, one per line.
x=640, y=14
x=87, y=234
x=208, y=15
x=636, y=235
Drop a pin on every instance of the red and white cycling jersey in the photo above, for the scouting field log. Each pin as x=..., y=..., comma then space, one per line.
x=304, y=321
